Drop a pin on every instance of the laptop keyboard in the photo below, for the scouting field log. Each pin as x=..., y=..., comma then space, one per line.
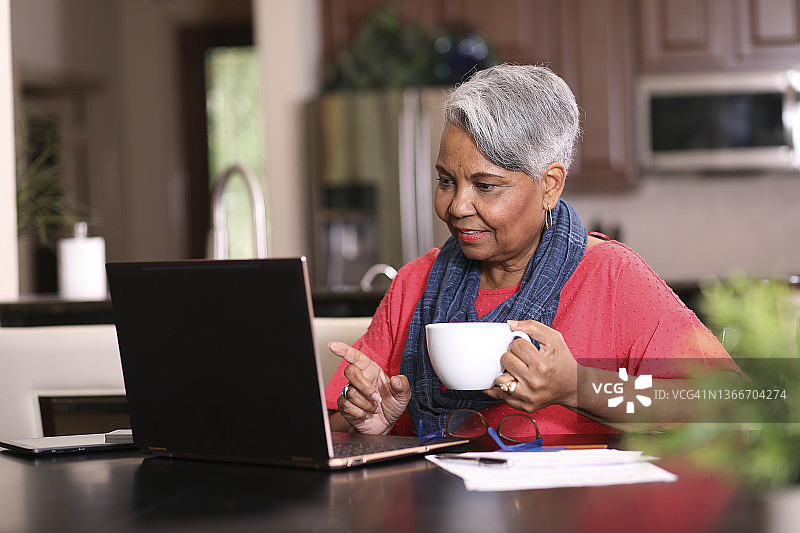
x=347, y=448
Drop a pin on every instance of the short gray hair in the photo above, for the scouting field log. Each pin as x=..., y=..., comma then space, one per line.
x=522, y=117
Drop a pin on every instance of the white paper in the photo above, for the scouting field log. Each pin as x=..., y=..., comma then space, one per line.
x=563, y=468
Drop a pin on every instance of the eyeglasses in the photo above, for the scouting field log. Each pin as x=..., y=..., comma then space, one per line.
x=518, y=428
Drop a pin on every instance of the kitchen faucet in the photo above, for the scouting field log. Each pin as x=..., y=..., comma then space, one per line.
x=219, y=230
x=368, y=279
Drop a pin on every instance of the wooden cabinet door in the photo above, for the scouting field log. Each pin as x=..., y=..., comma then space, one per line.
x=596, y=60
x=684, y=34
x=769, y=32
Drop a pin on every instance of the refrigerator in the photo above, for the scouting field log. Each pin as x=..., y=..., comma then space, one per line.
x=373, y=181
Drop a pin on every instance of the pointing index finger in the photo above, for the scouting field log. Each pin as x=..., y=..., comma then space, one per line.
x=350, y=354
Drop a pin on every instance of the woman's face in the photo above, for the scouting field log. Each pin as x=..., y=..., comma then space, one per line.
x=495, y=214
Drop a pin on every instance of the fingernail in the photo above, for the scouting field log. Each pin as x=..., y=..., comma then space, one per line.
x=512, y=323
x=376, y=397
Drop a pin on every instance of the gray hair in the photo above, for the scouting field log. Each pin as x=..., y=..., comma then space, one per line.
x=522, y=117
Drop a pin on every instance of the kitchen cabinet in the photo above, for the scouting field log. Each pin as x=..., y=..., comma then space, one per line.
x=682, y=35
x=516, y=29
x=594, y=55
x=769, y=32
x=588, y=43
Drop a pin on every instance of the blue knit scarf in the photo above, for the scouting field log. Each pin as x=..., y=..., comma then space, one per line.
x=450, y=297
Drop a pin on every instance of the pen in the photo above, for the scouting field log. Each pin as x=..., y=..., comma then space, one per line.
x=478, y=460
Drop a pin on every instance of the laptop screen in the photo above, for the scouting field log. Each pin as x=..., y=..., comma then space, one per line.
x=218, y=358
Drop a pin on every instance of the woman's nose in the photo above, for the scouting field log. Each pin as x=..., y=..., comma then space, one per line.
x=461, y=204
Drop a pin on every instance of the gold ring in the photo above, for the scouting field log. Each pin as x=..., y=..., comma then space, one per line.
x=511, y=386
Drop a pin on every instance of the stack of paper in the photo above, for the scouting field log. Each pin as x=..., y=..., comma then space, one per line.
x=550, y=469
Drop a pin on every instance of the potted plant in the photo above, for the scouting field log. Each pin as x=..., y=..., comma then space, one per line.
x=753, y=434
x=44, y=209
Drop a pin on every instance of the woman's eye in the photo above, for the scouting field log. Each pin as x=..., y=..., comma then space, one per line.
x=444, y=182
x=484, y=187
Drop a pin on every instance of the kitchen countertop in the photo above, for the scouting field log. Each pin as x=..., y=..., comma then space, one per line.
x=50, y=310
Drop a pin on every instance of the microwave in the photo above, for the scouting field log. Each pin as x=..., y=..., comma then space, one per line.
x=719, y=122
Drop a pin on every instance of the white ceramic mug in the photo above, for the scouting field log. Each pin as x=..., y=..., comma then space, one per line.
x=466, y=355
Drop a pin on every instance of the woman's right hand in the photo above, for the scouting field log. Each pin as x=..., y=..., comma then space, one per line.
x=374, y=401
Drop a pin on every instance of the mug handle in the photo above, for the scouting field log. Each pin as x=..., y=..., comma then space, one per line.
x=521, y=335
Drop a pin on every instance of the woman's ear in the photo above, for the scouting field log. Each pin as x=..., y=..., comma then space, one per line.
x=553, y=180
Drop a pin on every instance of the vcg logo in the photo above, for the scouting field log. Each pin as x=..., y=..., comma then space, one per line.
x=618, y=390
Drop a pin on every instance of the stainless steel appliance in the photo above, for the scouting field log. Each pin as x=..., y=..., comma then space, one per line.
x=719, y=121
x=373, y=182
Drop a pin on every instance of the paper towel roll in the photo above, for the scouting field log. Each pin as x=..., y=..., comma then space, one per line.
x=81, y=269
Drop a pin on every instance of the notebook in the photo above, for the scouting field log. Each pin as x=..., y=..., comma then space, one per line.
x=218, y=361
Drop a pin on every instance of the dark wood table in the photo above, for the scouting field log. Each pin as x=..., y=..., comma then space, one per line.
x=128, y=491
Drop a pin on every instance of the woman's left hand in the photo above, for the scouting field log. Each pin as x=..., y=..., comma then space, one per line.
x=545, y=375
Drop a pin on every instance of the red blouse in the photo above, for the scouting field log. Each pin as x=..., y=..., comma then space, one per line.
x=614, y=311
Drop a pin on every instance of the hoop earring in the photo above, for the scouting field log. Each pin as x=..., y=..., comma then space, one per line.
x=548, y=218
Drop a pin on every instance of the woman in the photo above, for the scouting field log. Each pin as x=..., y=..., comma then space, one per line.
x=518, y=253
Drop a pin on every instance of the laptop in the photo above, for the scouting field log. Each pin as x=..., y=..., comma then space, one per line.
x=45, y=446
x=219, y=363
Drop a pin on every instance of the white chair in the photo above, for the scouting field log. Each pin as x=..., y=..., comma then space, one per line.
x=53, y=361
x=327, y=329
x=79, y=361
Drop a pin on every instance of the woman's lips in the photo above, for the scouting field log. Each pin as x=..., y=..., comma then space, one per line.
x=469, y=235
